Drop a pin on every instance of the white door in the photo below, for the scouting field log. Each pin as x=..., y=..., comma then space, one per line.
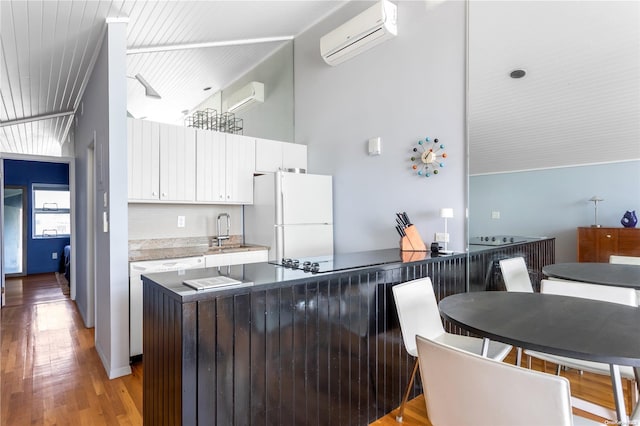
x=177, y=163
x=306, y=198
x=143, y=158
x=210, y=166
x=241, y=163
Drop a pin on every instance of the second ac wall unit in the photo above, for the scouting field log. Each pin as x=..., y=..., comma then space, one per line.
x=368, y=29
x=245, y=97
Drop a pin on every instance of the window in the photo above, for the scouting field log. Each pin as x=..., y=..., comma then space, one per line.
x=51, y=211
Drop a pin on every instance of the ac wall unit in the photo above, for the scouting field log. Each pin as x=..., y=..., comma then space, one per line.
x=371, y=27
x=245, y=97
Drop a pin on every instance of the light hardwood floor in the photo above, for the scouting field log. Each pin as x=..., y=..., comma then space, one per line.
x=51, y=373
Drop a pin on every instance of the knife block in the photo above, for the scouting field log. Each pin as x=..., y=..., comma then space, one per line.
x=412, y=240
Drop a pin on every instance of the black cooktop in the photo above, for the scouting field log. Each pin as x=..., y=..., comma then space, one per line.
x=499, y=240
x=340, y=262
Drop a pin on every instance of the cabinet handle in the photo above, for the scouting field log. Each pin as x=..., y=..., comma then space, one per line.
x=154, y=193
x=608, y=235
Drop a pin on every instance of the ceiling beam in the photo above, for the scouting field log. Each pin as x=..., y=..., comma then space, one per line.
x=170, y=47
x=35, y=118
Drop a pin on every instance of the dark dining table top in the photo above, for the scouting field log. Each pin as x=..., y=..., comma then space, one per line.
x=561, y=325
x=596, y=273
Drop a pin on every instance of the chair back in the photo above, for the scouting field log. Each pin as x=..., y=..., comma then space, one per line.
x=417, y=311
x=605, y=293
x=624, y=260
x=462, y=388
x=516, y=275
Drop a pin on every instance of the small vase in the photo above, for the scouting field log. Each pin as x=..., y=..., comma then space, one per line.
x=629, y=220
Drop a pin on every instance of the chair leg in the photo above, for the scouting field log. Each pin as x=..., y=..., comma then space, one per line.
x=519, y=357
x=529, y=362
x=558, y=368
x=406, y=394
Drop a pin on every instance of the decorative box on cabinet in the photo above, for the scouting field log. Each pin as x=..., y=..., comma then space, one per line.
x=597, y=244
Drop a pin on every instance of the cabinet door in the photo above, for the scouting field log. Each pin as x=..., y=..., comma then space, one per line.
x=294, y=156
x=177, y=163
x=268, y=155
x=241, y=163
x=143, y=159
x=587, y=249
x=607, y=243
x=210, y=166
x=629, y=242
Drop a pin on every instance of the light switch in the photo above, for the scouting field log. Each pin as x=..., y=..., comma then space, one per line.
x=495, y=215
x=181, y=221
x=375, y=146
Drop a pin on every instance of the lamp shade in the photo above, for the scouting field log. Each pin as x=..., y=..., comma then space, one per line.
x=446, y=212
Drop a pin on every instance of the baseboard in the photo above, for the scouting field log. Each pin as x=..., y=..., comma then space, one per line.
x=112, y=373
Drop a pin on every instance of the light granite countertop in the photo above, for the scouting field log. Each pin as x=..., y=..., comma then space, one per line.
x=141, y=250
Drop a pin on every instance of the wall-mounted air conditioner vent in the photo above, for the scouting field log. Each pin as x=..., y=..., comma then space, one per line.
x=371, y=27
x=249, y=95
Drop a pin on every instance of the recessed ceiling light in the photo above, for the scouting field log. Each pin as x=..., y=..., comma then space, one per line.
x=518, y=73
x=207, y=88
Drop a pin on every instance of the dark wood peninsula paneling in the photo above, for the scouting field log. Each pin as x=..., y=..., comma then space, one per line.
x=289, y=348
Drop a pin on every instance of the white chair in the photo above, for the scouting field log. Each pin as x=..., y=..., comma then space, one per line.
x=624, y=260
x=419, y=314
x=624, y=296
x=516, y=275
x=516, y=278
x=466, y=389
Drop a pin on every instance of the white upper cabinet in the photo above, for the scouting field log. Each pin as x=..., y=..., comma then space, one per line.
x=177, y=163
x=225, y=165
x=272, y=156
x=161, y=162
x=143, y=159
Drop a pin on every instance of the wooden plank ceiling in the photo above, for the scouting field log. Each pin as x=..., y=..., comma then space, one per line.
x=47, y=49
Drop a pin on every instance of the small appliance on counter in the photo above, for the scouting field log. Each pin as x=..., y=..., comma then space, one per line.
x=500, y=240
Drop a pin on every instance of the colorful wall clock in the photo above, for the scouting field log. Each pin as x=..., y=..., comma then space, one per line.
x=428, y=157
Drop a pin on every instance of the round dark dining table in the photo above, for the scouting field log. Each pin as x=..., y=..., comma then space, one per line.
x=561, y=325
x=596, y=273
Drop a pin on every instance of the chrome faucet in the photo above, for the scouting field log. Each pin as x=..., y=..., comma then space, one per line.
x=221, y=237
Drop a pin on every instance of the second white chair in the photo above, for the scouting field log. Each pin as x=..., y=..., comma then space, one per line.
x=516, y=278
x=419, y=314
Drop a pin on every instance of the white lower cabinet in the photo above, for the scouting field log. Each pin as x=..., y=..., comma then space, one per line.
x=136, y=270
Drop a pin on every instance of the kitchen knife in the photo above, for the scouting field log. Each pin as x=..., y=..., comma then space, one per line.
x=400, y=223
x=400, y=230
x=406, y=218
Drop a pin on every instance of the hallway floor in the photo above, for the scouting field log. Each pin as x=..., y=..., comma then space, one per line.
x=51, y=372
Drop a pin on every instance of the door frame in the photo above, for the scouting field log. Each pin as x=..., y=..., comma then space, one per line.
x=24, y=229
x=72, y=190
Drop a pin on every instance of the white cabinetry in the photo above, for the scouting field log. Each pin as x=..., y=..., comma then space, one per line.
x=225, y=164
x=143, y=159
x=272, y=156
x=238, y=258
x=161, y=162
x=136, y=270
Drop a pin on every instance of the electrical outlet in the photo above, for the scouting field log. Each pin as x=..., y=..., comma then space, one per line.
x=495, y=215
x=442, y=237
x=181, y=221
x=54, y=255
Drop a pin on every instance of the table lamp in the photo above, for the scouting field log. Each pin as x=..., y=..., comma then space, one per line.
x=446, y=213
x=595, y=200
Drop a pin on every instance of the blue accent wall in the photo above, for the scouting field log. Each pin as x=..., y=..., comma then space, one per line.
x=553, y=202
x=26, y=173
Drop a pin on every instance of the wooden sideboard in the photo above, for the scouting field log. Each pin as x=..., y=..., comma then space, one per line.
x=597, y=244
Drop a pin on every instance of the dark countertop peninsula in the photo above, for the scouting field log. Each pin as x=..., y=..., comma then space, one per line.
x=265, y=275
x=293, y=347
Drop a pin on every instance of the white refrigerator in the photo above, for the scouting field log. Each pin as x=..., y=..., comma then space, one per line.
x=292, y=214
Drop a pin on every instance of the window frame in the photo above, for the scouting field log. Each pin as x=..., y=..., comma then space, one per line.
x=35, y=211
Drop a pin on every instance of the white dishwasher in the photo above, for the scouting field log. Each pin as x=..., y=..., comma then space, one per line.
x=136, y=269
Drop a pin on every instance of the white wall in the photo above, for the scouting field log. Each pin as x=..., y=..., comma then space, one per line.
x=402, y=90
x=553, y=202
x=101, y=121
